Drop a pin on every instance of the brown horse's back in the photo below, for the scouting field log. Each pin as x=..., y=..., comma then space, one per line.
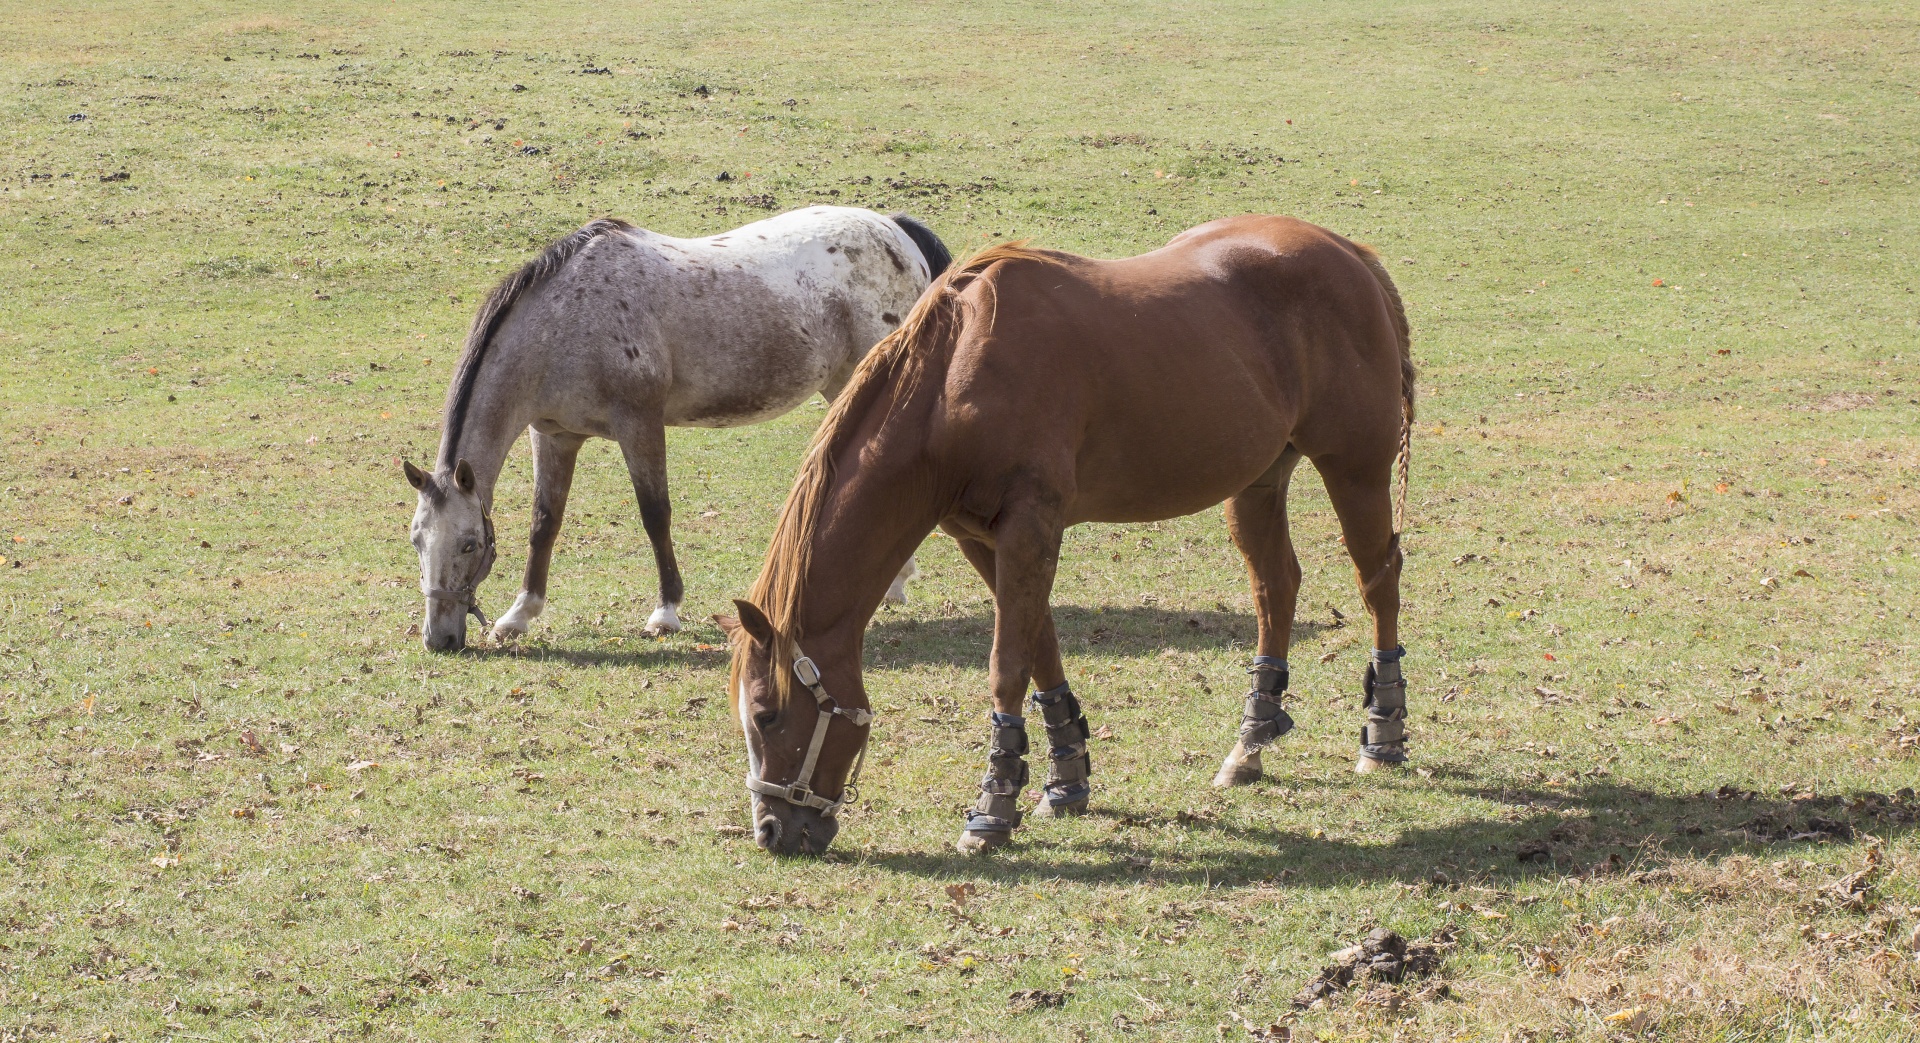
x=1162, y=384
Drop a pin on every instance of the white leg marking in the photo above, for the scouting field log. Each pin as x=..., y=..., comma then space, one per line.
x=897, y=593
x=515, y=621
x=665, y=620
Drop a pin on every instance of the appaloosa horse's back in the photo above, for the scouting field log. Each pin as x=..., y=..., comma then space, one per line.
x=1032, y=390
x=616, y=332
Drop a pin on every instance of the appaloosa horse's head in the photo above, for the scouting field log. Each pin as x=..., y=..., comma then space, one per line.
x=453, y=533
x=798, y=736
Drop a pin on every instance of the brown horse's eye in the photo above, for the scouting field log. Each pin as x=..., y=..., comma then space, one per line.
x=765, y=718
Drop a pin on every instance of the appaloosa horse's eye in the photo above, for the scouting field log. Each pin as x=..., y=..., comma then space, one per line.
x=765, y=718
x=467, y=547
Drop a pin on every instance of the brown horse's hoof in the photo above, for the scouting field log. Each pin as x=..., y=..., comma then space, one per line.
x=1047, y=810
x=1234, y=772
x=971, y=844
x=1367, y=764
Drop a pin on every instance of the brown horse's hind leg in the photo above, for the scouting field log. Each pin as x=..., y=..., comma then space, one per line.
x=645, y=446
x=553, y=459
x=1019, y=568
x=1365, y=508
x=1257, y=520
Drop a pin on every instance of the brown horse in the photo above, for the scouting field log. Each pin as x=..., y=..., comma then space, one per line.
x=1031, y=390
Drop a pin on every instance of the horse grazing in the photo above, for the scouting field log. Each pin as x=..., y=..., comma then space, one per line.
x=1031, y=390
x=616, y=332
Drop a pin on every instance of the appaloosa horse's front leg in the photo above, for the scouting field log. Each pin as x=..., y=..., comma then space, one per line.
x=1021, y=563
x=1365, y=509
x=644, y=444
x=553, y=459
x=1257, y=520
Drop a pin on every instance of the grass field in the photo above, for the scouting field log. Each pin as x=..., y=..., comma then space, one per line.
x=1661, y=264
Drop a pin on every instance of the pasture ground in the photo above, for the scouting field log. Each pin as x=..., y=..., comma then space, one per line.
x=1661, y=264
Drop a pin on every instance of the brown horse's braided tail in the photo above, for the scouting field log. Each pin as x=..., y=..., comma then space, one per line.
x=1407, y=375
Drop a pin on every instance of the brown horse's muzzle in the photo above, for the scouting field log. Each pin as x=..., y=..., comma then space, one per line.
x=781, y=828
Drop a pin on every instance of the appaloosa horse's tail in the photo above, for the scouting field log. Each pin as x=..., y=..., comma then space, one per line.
x=1407, y=375
x=936, y=252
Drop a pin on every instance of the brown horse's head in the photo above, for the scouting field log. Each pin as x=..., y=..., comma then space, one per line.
x=454, y=536
x=794, y=802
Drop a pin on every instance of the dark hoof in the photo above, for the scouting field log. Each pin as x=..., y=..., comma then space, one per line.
x=1047, y=809
x=1366, y=765
x=971, y=844
x=1236, y=772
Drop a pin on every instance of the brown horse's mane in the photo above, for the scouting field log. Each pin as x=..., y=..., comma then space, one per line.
x=493, y=314
x=893, y=368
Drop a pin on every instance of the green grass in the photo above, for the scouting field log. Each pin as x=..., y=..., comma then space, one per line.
x=1660, y=262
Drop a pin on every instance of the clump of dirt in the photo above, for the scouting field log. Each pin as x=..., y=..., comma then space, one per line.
x=1382, y=959
x=1027, y=1000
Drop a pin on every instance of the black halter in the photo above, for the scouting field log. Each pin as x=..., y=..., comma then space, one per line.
x=469, y=593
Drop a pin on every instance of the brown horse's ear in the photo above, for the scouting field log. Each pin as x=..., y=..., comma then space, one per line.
x=754, y=621
x=727, y=625
x=463, y=476
x=415, y=476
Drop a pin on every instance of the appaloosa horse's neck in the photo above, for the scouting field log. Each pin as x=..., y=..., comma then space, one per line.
x=491, y=423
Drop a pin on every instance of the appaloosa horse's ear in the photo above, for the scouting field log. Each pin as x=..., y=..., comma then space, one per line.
x=463, y=476
x=415, y=476
x=754, y=621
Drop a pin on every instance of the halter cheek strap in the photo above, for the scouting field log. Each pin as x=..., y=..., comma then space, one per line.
x=469, y=593
x=800, y=791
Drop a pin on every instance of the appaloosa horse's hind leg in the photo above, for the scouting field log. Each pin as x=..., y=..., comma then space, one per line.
x=553, y=458
x=1365, y=508
x=1257, y=520
x=644, y=444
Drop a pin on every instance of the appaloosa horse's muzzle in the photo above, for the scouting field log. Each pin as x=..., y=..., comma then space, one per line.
x=467, y=595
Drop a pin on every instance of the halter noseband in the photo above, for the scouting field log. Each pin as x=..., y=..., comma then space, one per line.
x=800, y=792
x=469, y=593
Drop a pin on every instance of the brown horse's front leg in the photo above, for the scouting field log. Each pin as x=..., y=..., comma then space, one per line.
x=1024, y=555
x=553, y=459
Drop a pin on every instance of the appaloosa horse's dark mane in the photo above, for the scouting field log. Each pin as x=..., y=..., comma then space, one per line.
x=493, y=314
x=939, y=258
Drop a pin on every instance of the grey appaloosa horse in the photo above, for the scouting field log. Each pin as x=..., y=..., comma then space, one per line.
x=617, y=332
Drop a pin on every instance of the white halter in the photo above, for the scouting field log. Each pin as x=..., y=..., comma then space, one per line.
x=800, y=791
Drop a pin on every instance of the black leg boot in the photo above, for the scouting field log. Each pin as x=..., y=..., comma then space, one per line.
x=996, y=814
x=1383, y=739
x=1262, y=723
x=1070, y=769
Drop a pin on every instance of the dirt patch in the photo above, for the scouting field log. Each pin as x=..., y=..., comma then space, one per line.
x=1844, y=400
x=1379, y=967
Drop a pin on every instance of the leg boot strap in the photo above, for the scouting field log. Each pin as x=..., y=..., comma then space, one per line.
x=1070, y=768
x=997, y=810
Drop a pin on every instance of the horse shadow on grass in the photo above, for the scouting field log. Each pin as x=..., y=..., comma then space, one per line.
x=1597, y=829
x=897, y=639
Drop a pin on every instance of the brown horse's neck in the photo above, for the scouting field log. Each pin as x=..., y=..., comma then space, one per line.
x=876, y=514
